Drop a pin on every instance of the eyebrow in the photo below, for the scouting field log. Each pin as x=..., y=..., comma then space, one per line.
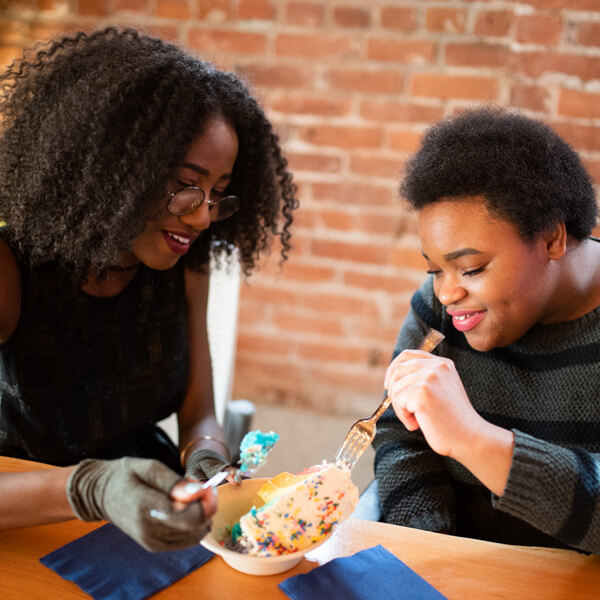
x=456, y=254
x=202, y=170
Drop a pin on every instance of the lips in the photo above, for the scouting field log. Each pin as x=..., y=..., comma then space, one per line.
x=177, y=242
x=465, y=320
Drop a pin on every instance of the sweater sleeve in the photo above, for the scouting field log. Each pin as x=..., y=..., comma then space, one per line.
x=414, y=486
x=555, y=489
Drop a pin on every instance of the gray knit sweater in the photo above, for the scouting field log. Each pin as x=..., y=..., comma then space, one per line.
x=546, y=389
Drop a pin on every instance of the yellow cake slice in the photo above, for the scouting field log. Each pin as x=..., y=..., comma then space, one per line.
x=299, y=510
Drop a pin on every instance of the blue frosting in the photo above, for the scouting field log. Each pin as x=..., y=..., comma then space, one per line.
x=255, y=448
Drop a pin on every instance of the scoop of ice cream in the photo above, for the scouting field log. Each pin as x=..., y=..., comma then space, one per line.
x=255, y=448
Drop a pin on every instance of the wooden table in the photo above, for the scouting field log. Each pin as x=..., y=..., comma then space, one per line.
x=460, y=568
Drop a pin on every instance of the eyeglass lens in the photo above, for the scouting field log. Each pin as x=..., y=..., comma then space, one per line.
x=187, y=200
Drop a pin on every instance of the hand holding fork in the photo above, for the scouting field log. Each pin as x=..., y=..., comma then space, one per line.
x=362, y=433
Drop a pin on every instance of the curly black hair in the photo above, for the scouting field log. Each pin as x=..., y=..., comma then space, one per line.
x=527, y=174
x=93, y=126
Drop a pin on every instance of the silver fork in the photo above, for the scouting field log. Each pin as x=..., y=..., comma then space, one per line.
x=361, y=434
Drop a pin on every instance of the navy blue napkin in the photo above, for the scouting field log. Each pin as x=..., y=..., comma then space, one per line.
x=371, y=573
x=106, y=563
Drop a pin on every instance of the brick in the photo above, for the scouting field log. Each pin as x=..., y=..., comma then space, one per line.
x=539, y=29
x=377, y=224
x=308, y=273
x=227, y=41
x=581, y=137
x=416, y=52
x=340, y=304
x=446, y=20
x=350, y=16
x=8, y=54
x=454, y=86
x=530, y=97
x=593, y=168
x=337, y=220
x=264, y=344
x=343, y=136
x=256, y=9
x=324, y=352
x=322, y=163
x=408, y=257
x=563, y=4
x=375, y=165
x=268, y=294
x=493, y=22
x=587, y=34
x=478, y=54
x=408, y=112
x=136, y=6
x=390, y=284
x=291, y=321
x=399, y=18
x=92, y=8
x=573, y=103
x=276, y=75
x=365, y=81
x=355, y=252
x=172, y=9
x=352, y=193
x=316, y=46
x=536, y=64
x=405, y=140
x=308, y=14
x=215, y=11
x=305, y=104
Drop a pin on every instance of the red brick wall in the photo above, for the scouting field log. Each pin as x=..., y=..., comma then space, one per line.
x=350, y=86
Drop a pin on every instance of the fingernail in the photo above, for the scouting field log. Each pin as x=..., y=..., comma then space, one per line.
x=193, y=487
x=158, y=514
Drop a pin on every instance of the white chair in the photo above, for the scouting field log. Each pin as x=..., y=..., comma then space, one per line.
x=222, y=317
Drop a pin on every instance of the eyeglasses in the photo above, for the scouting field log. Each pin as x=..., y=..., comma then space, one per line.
x=188, y=199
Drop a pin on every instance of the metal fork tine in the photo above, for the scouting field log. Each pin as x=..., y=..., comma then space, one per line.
x=361, y=434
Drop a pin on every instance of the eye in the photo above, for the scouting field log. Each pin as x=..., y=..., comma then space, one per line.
x=434, y=272
x=473, y=272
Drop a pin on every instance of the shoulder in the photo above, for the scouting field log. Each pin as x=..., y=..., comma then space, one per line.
x=10, y=292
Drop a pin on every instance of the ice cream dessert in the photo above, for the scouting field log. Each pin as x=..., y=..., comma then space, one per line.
x=254, y=449
x=295, y=511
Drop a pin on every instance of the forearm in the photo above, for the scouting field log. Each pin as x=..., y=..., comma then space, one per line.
x=488, y=455
x=193, y=435
x=34, y=498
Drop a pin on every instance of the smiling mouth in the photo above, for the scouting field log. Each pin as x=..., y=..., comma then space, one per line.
x=179, y=239
x=468, y=321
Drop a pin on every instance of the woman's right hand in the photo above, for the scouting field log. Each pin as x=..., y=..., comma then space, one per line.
x=134, y=493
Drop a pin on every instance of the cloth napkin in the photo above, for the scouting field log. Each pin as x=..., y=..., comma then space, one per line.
x=371, y=573
x=106, y=563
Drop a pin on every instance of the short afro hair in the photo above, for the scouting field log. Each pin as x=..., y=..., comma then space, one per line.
x=528, y=175
x=93, y=126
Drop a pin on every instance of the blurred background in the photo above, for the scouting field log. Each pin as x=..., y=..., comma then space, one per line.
x=350, y=86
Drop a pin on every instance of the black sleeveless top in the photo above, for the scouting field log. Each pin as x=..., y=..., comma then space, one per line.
x=84, y=376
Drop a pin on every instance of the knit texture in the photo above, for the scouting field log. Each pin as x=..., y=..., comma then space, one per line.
x=544, y=388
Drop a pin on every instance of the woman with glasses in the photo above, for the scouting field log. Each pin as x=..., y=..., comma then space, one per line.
x=126, y=163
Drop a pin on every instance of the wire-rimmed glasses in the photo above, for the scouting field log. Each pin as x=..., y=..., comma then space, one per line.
x=186, y=200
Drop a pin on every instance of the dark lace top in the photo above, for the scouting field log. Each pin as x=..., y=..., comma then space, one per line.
x=83, y=375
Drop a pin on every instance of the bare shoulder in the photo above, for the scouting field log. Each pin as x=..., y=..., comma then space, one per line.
x=10, y=292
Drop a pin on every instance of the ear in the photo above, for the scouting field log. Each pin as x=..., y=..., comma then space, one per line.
x=555, y=240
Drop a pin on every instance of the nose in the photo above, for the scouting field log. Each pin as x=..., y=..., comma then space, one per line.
x=198, y=219
x=449, y=290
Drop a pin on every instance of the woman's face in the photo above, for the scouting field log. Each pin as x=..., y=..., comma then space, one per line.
x=494, y=285
x=208, y=165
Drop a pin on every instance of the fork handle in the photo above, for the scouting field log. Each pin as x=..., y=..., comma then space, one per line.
x=382, y=407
